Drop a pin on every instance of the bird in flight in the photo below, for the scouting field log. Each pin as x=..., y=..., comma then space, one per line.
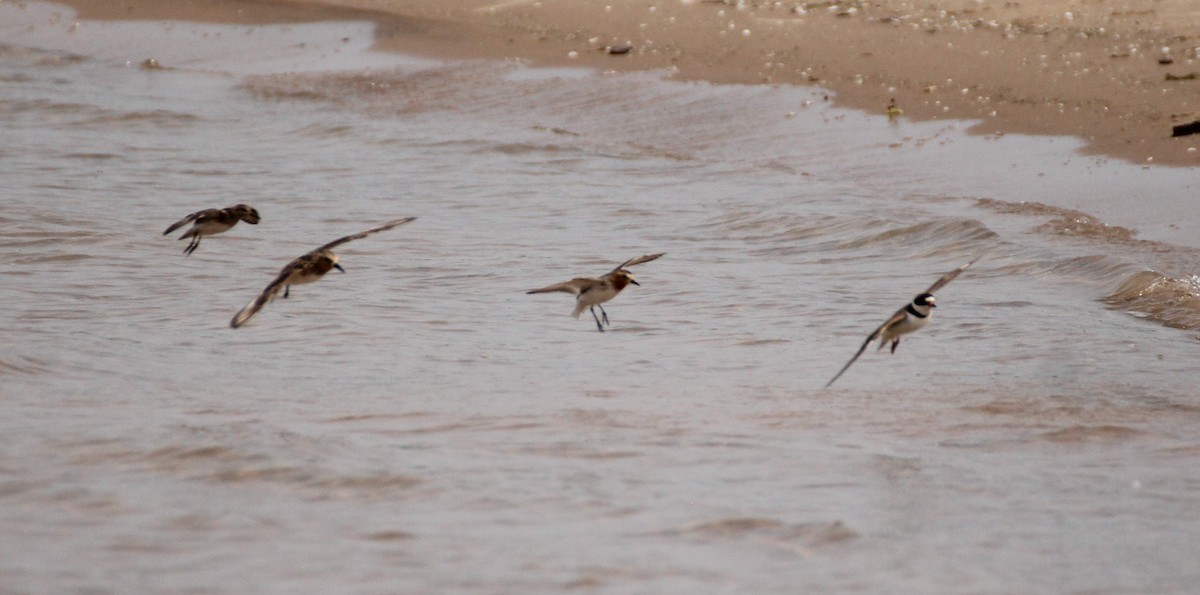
x=212, y=221
x=306, y=269
x=910, y=318
x=591, y=292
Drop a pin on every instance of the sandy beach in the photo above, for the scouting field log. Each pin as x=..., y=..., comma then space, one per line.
x=1117, y=74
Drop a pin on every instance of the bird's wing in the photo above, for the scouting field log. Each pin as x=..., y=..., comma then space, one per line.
x=575, y=286
x=188, y=219
x=638, y=260
x=363, y=234
x=948, y=277
x=896, y=318
x=267, y=294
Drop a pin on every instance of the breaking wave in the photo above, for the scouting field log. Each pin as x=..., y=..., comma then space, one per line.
x=1174, y=302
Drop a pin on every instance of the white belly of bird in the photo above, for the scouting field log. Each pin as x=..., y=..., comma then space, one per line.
x=909, y=324
x=212, y=227
x=591, y=298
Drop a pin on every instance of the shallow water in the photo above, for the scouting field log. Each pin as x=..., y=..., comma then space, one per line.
x=419, y=424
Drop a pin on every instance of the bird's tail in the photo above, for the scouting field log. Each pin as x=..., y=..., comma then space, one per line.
x=178, y=224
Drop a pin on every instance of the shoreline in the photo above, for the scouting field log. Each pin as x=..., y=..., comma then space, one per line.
x=1041, y=67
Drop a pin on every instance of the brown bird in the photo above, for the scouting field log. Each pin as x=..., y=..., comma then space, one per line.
x=591, y=292
x=306, y=269
x=910, y=318
x=212, y=221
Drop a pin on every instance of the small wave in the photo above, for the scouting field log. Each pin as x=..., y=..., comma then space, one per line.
x=221, y=464
x=38, y=56
x=557, y=130
x=523, y=148
x=849, y=238
x=762, y=342
x=377, y=483
x=22, y=365
x=92, y=115
x=373, y=417
x=1091, y=434
x=389, y=536
x=956, y=231
x=319, y=483
x=52, y=259
x=326, y=131
x=1086, y=226
x=1062, y=221
x=474, y=424
x=1169, y=301
x=1097, y=267
x=91, y=156
x=784, y=227
x=648, y=150
x=43, y=106
x=796, y=536
x=568, y=450
x=190, y=453
x=156, y=117
x=397, y=91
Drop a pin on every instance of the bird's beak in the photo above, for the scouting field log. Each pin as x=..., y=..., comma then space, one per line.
x=932, y=304
x=635, y=282
x=339, y=267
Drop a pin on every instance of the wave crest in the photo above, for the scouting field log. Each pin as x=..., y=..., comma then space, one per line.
x=1170, y=301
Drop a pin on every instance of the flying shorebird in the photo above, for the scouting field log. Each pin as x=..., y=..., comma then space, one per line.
x=906, y=320
x=591, y=292
x=306, y=269
x=212, y=221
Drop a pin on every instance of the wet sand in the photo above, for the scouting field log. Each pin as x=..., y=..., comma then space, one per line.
x=1118, y=74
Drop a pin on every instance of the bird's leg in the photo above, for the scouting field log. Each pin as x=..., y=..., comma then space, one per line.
x=286, y=290
x=894, y=344
x=192, y=246
x=599, y=326
x=605, y=314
